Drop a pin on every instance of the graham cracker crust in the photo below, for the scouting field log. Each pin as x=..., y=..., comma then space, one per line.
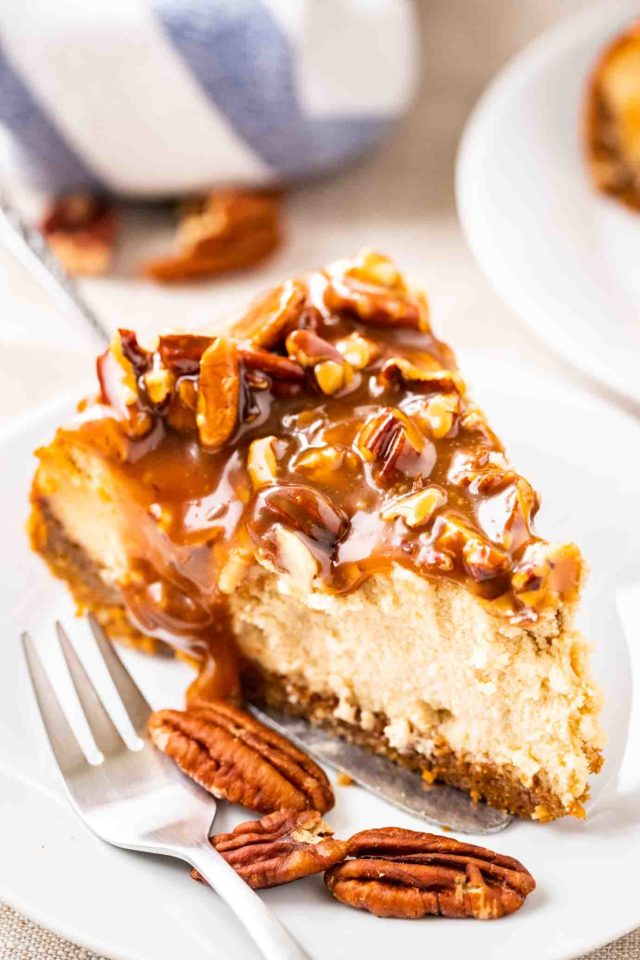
x=498, y=785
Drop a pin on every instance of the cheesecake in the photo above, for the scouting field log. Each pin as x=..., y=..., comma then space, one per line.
x=613, y=119
x=312, y=511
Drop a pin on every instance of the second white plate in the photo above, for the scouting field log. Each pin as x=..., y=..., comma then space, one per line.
x=564, y=258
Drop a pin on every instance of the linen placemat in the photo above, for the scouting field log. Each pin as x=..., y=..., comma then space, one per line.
x=22, y=940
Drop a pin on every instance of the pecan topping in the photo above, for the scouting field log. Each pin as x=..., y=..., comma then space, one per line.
x=547, y=571
x=236, y=758
x=279, y=848
x=462, y=542
x=226, y=230
x=81, y=231
x=400, y=371
x=118, y=372
x=358, y=351
x=218, y=393
x=372, y=288
x=275, y=366
x=302, y=510
x=182, y=352
x=273, y=315
x=416, y=509
x=391, y=441
x=331, y=370
x=406, y=874
x=261, y=462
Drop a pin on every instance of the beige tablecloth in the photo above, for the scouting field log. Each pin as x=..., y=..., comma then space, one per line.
x=402, y=200
x=22, y=940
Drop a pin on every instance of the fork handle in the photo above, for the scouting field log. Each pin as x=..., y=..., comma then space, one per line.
x=272, y=938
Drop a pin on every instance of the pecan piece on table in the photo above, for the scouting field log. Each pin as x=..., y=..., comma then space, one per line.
x=236, y=758
x=223, y=231
x=281, y=847
x=406, y=874
x=81, y=231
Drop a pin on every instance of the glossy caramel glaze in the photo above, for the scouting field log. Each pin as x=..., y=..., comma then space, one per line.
x=329, y=438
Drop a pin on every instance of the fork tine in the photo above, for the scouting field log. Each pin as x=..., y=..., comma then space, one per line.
x=104, y=731
x=128, y=690
x=61, y=737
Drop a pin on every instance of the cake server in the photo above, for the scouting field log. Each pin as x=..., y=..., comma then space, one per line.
x=438, y=804
x=136, y=798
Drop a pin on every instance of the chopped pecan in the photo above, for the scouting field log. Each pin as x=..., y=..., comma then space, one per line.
x=331, y=370
x=261, y=462
x=485, y=472
x=273, y=315
x=480, y=558
x=182, y=352
x=548, y=572
x=81, y=231
x=218, y=393
x=236, y=758
x=309, y=349
x=437, y=414
x=372, y=288
x=402, y=371
x=181, y=413
x=226, y=230
x=327, y=463
x=391, y=440
x=158, y=384
x=279, y=848
x=506, y=517
x=406, y=874
x=119, y=387
x=275, y=366
x=300, y=509
x=416, y=509
x=358, y=351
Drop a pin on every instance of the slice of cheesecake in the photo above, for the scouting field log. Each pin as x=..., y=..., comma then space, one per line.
x=613, y=119
x=313, y=511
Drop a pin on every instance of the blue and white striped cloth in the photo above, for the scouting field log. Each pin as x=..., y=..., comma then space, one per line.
x=162, y=97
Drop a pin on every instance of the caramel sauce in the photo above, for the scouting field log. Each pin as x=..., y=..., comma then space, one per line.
x=340, y=465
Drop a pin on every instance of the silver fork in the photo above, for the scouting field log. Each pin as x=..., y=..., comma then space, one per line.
x=137, y=798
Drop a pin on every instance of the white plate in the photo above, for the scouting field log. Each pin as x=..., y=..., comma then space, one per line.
x=563, y=257
x=123, y=905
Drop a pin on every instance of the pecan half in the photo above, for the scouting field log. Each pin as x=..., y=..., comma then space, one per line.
x=218, y=393
x=273, y=315
x=226, y=230
x=236, y=758
x=81, y=231
x=279, y=848
x=406, y=874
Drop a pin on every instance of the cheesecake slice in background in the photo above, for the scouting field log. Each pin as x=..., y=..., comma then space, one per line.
x=313, y=512
x=613, y=119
